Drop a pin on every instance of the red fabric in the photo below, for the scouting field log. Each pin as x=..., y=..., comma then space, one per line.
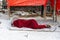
x=28, y=24
x=26, y=2
x=57, y=5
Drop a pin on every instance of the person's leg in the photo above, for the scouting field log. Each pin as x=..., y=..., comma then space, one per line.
x=34, y=25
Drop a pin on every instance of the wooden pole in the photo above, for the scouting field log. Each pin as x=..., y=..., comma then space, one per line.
x=8, y=8
x=44, y=14
x=54, y=14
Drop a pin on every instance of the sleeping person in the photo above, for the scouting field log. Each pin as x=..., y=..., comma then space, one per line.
x=31, y=23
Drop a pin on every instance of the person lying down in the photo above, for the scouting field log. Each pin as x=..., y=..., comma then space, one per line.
x=31, y=23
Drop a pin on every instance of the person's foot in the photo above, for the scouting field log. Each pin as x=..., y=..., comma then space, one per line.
x=48, y=26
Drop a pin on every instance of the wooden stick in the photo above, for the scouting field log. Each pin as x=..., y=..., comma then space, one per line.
x=8, y=11
x=44, y=15
x=54, y=14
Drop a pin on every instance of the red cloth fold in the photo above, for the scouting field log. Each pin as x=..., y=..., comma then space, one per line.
x=28, y=24
x=57, y=5
x=26, y=2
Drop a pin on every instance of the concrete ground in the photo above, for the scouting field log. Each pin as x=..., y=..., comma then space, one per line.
x=6, y=34
x=58, y=19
